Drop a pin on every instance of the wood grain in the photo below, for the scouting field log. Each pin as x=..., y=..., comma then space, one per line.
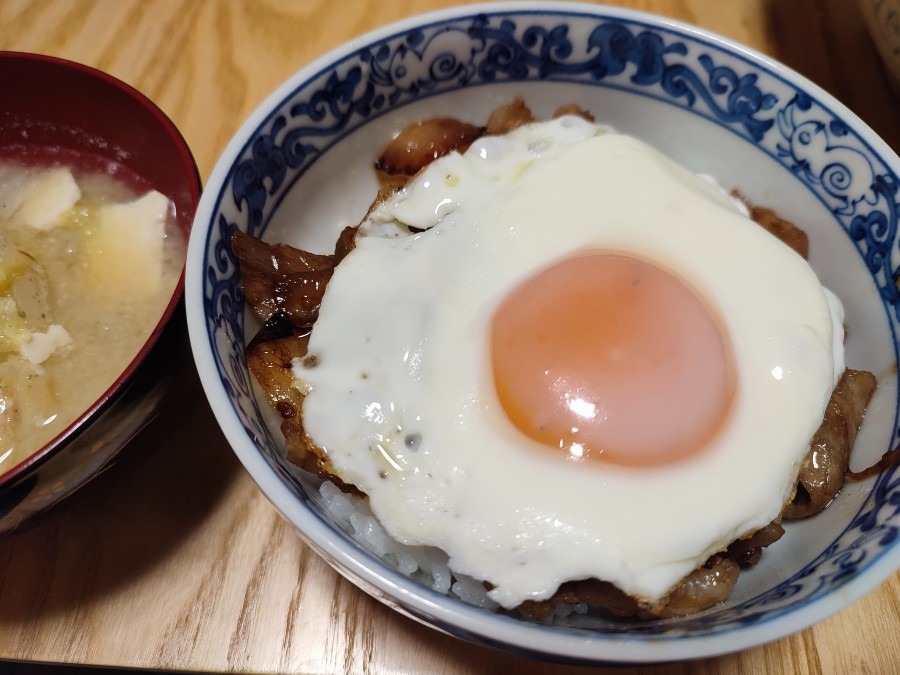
x=172, y=558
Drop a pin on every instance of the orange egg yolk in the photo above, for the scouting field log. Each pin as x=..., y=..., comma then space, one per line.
x=604, y=356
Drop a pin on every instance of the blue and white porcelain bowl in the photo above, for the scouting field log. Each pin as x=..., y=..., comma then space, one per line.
x=301, y=168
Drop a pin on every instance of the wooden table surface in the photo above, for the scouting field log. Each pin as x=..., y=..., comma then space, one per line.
x=172, y=558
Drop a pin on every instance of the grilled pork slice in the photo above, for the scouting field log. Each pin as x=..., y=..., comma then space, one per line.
x=270, y=363
x=708, y=585
x=419, y=144
x=827, y=462
x=281, y=278
x=785, y=230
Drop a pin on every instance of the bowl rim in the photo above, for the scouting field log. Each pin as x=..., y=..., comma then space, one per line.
x=419, y=602
x=35, y=460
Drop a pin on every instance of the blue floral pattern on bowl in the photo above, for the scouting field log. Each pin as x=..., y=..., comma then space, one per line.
x=591, y=48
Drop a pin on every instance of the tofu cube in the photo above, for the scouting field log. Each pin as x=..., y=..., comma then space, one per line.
x=125, y=248
x=48, y=196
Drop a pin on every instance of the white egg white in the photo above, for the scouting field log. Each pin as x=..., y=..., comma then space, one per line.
x=402, y=399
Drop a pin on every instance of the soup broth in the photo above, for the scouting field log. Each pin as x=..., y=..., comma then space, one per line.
x=88, y=265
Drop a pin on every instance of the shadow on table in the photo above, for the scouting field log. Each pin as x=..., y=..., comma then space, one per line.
x=158, y=493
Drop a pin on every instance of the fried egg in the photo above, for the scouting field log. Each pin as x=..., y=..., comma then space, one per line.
x=561, y=356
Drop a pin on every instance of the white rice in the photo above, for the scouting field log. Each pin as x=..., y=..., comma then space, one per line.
x=424, y=564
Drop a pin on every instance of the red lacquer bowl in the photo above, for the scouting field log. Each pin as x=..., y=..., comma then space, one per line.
x=56, y=110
